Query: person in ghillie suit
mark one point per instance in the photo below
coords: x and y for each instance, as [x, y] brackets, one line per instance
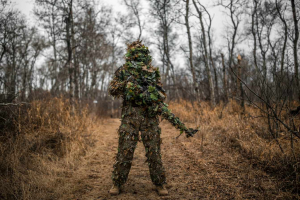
[139, 84]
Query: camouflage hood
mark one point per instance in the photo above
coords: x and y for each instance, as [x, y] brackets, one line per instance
[142, 78]
[138, 52]
[139, 84]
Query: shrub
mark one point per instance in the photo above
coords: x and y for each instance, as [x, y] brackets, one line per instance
[37, 142]
[248, 134]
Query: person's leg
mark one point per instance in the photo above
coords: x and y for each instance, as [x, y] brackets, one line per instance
[151, 140]
[128, 137]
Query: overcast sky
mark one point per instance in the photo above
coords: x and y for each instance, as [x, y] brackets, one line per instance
[219, 19]
[26, 7]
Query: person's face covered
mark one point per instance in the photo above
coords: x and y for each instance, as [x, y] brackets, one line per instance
[138, 54]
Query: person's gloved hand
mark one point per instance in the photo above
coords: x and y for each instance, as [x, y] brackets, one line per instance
[191, 132]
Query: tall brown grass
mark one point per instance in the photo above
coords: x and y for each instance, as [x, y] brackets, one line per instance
[40, 143]
[249, 135]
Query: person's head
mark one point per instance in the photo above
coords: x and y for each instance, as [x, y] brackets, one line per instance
[138, 52]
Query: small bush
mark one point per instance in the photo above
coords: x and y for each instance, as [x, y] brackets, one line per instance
[38, 141]
[249, 134]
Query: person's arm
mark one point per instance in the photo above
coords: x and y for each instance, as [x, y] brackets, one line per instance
[117, 85]
[166, 113]
[175, 121]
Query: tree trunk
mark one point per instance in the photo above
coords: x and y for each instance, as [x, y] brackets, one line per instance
[233, 42]
[224, 80]
[206, 59]
[285, 38]
[75, 61]
[69, 50]
[191, 50]
[169, 63]
[240, 92]
[216, 80]
[295, 45]
[254, 34]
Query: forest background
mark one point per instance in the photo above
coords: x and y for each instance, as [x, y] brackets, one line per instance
[219, 60]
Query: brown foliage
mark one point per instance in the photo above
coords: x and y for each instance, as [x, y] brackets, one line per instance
[249, 135]
[38, 142]
[42, 143]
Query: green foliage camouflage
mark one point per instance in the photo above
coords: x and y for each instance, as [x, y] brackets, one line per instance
[138, 83]
[133, 122]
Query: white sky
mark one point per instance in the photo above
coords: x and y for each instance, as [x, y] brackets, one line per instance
[26, 7]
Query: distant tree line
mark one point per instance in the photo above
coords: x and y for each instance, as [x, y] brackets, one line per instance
[79, 44]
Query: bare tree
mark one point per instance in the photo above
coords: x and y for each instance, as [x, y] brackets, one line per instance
[207, 57]
[296, 20]
[224, 79]
[165, 12]
[195, 84]
[235, 8]
[32, 46]
[49, 14]
[135, 8]
[4, 19]
[118, 29]
[280, 10]
[21, 45]
[68, 19]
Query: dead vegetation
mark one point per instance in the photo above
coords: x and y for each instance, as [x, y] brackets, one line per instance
[249, 135]
[40, 144]
[45, 145]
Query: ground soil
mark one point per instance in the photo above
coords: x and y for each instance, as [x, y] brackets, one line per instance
[197, 168]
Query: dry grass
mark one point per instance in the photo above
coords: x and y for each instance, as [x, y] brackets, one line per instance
[249, 135]
[40, 144]
[43, 144]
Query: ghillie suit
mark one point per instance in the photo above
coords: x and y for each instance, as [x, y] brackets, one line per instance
[138, 83]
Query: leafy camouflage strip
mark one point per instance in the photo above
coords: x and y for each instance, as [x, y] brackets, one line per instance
[116, 87]
[163, 110]
[138, 83]
[133, 121]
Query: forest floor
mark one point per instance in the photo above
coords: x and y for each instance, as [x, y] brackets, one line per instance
[195, 169]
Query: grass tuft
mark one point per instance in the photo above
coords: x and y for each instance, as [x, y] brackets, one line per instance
[40, 142]
[249, 135]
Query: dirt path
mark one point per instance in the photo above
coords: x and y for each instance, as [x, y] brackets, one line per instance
[214, 173]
